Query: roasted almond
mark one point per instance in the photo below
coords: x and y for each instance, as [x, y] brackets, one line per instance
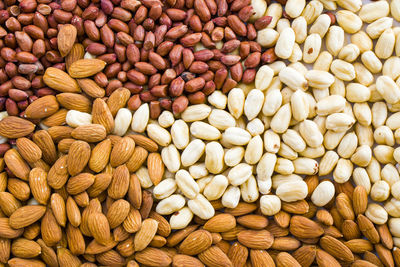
[60, 81]
[42, 107]
[220, 223]
[84, 68]
[15, 127]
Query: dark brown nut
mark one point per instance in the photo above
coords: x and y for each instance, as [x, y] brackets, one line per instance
[237, 25]
[187, 57]
[252, 60]
[198, 67]
[195, 23]
[229, 84]
[245, 13]
[191, 39]
[180, 104]
[249, 76]
[159, 91]
[230, 60]
[237, 72]
[262, 22]
[203, 55]
[176, 32]
[269, 56]
[195, 85]
[197, 98]
[137, 77]
[176, 87]
[202, 10]
[134, 102]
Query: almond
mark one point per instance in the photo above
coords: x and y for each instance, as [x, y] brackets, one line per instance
[101, 183]
[76, 242]
[297, 207]
[48, 255]
[282, 218]
[117, 212]
[28, 149]
[360, 200]
[93, 207]
[181, 260]
[220, 223]
[120, 183]
[78, 157]
[386, 236]
[58, 173]
[42, 107]
[50, 230]
[153, 257]
[363, 263]
[214, 256]
[146, 233]
[242, 208]
[385, 255]
[118, 100]
[15, 127]
[8, 203]
[77, 52]
[66, 39]
[344, 206]
[16, 164]
[135, 191]
[60, 81]
[100, 156]
[99, 227]
[256, 239]
[155, 167]
[285, 243]
[336, 248]
[96, 248]
[38, 184]
[144, 142]
[57, 204]
[196, 242]
[19, 189]
[84, 68]
[303, 227]
[284, 259]
[122, 151]
[238, 254]
[25, 248]
[26, 215]
[73, 101]
[164, 228]
[109, 258]
[359, 245]
[137, 159]
[178, 236]
[101, 114]
[4, 250]
[260, 258]
[44, 141]
[326, 260]
[368, 229]
[73, 212]
[17, 262]
[90, 133]
[6, 231]
[91, 88]
[79, 183]
[65, 258]
[58, 133]
[133, 221]
[253, 221]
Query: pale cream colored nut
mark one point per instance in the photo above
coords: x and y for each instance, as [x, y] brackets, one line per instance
[293, 78]
[384, 136]
[334, 40]
[204, 131]
[201, 207]
[300, 106]
[385, 45]
[339, 122]
[253, 103]
[323, 193]
[396, 243]
[323, 61]
[144, 178]
[234, 156]
[380, 191]
[343, 171]
[186, 184]
[282, 24]
[320, 122]
[231, 197]
[363, 75]
[264, 77]
[284, 44]
[365, 135]
[267, 37]
[274, 10]
[198, 170]
[284, 166]
[221, 119]
[376, 28]
[312, 47]
[181, 218]
[395, 9]
[249, 190]
[265, 166]
[165, 188]
[310, 133]
[393, 121]
[331, 104]
[300, 67]
[343, 70]
[264, 186]
[328, 162]
[338, 88]
[320, 93]
[279, 179]
[273, 101]
[196, 113]
[296, 55]
[349, 52]
[294, 7]
[122, 121]
[299, 26]
[362, 156]
[255, 127]
[171, 158]
[305, 166]
[393, 207]
[293, 139]
[379, 114]
[236, 100]
[140, 118]
[203, 182]
[215, 157]
[357, 93]
[281, 120]
[76, 118]
[286, 95]
[239, 174]
[193, 152]
[312, 10]
[361, 178]
[389, 174]
[351, 5]
[389, 90]
[271, 141]
[259, 7]
[374, 170]
[395, 190]
[319, 79]
[276, 67]
[397, 136]
[376, 213]
[216, 187]
[373, 11]
[396, 154]
[170, 204]
[329, 4]
[350, 22]
[348, 145]
[180, 134]
[362, 41]
[313, 152]
[391, 67]
[166, 119]
[292, 191]
[321, 25]
[394, 227]
[287, 152]
[270, 205]
[332, 139]
[218, 99]
[158, 134]
[237, 136]
[253, 153]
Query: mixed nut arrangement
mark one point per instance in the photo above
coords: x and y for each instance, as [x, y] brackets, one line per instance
[199, 133]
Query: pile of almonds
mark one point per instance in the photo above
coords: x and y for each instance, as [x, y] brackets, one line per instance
[192, 133]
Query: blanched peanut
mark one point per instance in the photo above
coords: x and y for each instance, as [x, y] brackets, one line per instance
[323, 193]
[292, 191]
[201, 207]
[270, 205]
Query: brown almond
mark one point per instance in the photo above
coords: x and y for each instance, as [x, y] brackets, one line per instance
[242, 208]
[135, 191]
[38, 184]
[385, 255]
[26, 215]
[360, 200]
[120, 183]
[101, 183]
[137, 159]
[8, 203]
[77, 52]
[66, 39]
[117, 212]
[57, 204]
[58, 173]
[297, 207]
[44, 141]
[282, 218]
[196, 242]
[73, 213]
[50, 230]
[17, 262]
[155, 167]
[256, 239]
[25, 248]
[89, 133]
[386, 236]
[284, 259]
[42, 107]
[153, 257]
[303, 227]
[19, 189]
[336, 248]
[91, 88]
[146, 233]
[100, 156]
[76, 242]
[122, 151]
[324, 217]
[101, 114]
[220, 223]
[181, 260]
[84, 68]
[286, 243]
[16, 164]
[133, 221]
[28, 149]
[144, 142]
[368, 229]
[164, 228]
[118, 100]
[6, 231]
[324, 259]
[79, 183]
[344, 206]
[15, 127]
[78, 157]
[99, 227]
[60, 81]
[75, 102]
[66, 258]
[253, 221]
[214, 256]
[260, 258]
[305, 255]
[359, 245]
[238, 254]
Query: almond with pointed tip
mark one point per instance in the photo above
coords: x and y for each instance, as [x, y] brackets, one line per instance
[26, 215]
[260, 258]
[77, 52]
[8, 203]
[91, 88]
[42, 107]
[238, 254]
[196, 242]
[78, 157]
[137, 159]
[256, 239]
[155, 167]
[122, 151]
[38, 184]
[144, 142]
[146, 233]
[15, 127]
[220, 223]
[303, 227]
[101, 114]
[66, 39]
[16, 164]
[25, 248]
[57, 204]
[118, 100]
[324, 259]
[58, 173]
[84, 68]
[43, 140]
[60, 81]
[153, 257]
[120, 183]
[28, 149]
[91, 133]
[99, 227]
[181, 260]
[117, 212]
[72, 101]
[214, 256]
[6, 231]
[100, 156]
[50, 230]
[336, 248]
